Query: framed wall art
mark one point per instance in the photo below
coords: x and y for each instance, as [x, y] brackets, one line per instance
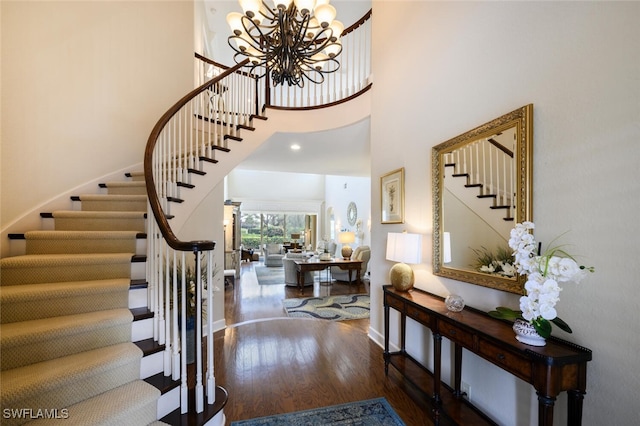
[392, 197]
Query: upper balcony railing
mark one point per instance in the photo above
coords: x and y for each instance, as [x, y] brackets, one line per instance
[352, 78]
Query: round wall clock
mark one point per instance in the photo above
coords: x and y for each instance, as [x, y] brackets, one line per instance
[352, 213]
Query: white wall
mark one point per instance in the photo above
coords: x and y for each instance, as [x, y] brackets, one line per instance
[342, 190]
[579, 64]
[83, 83]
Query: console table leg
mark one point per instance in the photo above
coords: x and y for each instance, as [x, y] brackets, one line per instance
[437, 362]
[457, 372]
[545, 410]
[575, 407]
[386, 340]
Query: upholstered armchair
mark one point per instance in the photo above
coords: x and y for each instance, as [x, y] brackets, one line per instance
[290, 273]
[361, 253]
[273, 254]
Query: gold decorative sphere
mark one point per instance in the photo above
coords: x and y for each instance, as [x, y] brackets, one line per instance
[401, 277]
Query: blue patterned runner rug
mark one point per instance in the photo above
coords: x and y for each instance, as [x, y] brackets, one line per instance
[335, 308]
[373, 412]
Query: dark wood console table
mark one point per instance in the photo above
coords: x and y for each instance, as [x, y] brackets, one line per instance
[558, 366]
[304, 265]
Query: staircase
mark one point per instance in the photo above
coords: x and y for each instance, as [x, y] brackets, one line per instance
[71, 348]
[87, 329]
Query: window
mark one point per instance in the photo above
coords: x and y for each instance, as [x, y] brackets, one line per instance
[258, 229]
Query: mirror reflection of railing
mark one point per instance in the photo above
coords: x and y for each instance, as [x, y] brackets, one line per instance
[472, 233]
[489, 166]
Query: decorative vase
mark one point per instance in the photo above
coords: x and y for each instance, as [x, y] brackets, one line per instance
[526, 333]
[454, 303]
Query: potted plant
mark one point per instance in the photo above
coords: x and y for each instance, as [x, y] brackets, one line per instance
[545, 273]
[190, 299]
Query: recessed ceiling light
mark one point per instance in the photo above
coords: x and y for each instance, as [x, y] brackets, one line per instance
[295, 147]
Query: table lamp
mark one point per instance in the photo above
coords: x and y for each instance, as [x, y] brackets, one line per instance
[346, 238]
[404, 248]
[295, 237]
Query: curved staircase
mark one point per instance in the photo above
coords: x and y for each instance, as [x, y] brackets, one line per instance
[86, 329]
[67, 322]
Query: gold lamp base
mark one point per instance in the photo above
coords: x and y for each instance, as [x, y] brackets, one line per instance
[347, 251]
[401, 277]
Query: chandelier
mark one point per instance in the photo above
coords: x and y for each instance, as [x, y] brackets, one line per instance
[292, 41]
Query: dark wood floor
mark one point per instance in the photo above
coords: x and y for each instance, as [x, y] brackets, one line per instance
[271, 364]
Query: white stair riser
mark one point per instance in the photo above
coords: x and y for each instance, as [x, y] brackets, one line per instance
[142, 329]
[138, 270]
[141, 246]
[151, 364]
[137, 298]
[17, 247]
[168, 402]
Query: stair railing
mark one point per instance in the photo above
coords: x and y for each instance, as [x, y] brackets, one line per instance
[185, 138]
[489, 166]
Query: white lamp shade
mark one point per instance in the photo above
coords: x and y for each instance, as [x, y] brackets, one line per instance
[446, 247]
[333, 49]
[234, 19]
[404, 247]
[346, 237]
[305, 6]
[325, 14]
[242, 43]
[337, 28]
[251, 8]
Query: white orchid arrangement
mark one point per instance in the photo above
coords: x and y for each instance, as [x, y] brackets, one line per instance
[545, 272]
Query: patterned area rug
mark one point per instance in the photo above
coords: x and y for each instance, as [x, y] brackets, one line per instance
[335, 308]
[367, 413]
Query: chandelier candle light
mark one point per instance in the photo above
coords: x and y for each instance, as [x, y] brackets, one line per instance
[404, 248]
[294, 40]
[545, 272]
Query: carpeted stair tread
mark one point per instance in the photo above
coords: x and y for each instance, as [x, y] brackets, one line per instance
[69, 220]
[52, 242]
[34, 269]
[34, 341]
[126, 188]
[34, 301]
[131, 404]
[62, 382]
[136, 176]
[102, 202]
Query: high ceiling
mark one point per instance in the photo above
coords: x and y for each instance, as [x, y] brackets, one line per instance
[343, 152]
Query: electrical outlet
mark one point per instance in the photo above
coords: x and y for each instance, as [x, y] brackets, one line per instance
[465, 389]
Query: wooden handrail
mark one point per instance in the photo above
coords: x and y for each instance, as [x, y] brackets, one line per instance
[360, 21]
[327, 105]
[500, 147]
[154, 201]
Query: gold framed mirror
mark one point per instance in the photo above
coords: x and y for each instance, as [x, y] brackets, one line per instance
[482, 186]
